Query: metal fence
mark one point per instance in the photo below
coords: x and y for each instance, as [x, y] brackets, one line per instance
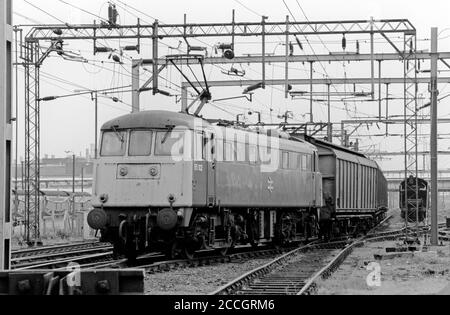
[62, 215]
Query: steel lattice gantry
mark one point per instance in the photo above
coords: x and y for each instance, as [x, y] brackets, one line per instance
[32, 142]
[238, 29]
[33, 58]
[410, 117]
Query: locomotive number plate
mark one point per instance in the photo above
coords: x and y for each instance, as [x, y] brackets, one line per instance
[139, 171]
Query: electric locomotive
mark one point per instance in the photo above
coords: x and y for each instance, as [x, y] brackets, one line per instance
[174, 183]
[416, 210]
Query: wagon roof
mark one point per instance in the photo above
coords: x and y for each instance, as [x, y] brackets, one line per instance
[153, 119]
[343, 153]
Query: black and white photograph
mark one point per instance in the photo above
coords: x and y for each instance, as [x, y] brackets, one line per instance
[224, 155]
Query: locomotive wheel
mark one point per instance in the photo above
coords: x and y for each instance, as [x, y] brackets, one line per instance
[230, 236]
[131, 254]
[173, 250]
[189, 252]
[127, 243]
[252, 232]
[283, 229]
[229, 247]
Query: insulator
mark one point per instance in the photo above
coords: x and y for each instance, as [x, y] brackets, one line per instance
[112, 14]
[299, 43]
[130, 48]
[165, 93]
[291, 49]
[59, 45]
[344, 43]
[48, 98]
[253, 88]
[102, 49]
[116, 58]
[196, 48]
[357, 47]
[226, 47]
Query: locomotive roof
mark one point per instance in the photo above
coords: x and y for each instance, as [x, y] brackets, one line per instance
[157, 119]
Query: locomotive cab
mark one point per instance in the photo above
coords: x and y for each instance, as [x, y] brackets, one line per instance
[143, 181]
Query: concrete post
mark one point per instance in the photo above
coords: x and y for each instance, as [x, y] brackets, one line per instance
[434, 134]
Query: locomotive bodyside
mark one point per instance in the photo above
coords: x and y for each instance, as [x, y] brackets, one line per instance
[288, 185]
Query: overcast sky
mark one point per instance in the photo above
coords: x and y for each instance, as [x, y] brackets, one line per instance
[67, 124]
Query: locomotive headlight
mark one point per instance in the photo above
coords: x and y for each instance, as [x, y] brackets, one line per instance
[104, 198]
[123, 171]
[171, 199]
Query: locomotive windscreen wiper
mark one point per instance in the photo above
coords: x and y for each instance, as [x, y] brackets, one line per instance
[119, 136]
[171, 128]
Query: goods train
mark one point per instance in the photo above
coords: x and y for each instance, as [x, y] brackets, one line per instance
[174, 183]
[416, 210]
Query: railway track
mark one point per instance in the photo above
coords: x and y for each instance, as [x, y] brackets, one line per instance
[95, 255]
[297, 272]
[157, 263]
[53, 257]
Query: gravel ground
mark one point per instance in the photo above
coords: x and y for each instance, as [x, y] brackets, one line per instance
[201, 280]
[415, 276]
[423, 274]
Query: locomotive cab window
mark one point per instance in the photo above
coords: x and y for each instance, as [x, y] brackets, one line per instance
[114, 143]
[294, 161]
[169, 143]
[285, 160]
[140, 143]
[253, 154]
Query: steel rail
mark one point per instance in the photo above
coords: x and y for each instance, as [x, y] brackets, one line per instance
[37, 260]
[34, 252]
[56, 264]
